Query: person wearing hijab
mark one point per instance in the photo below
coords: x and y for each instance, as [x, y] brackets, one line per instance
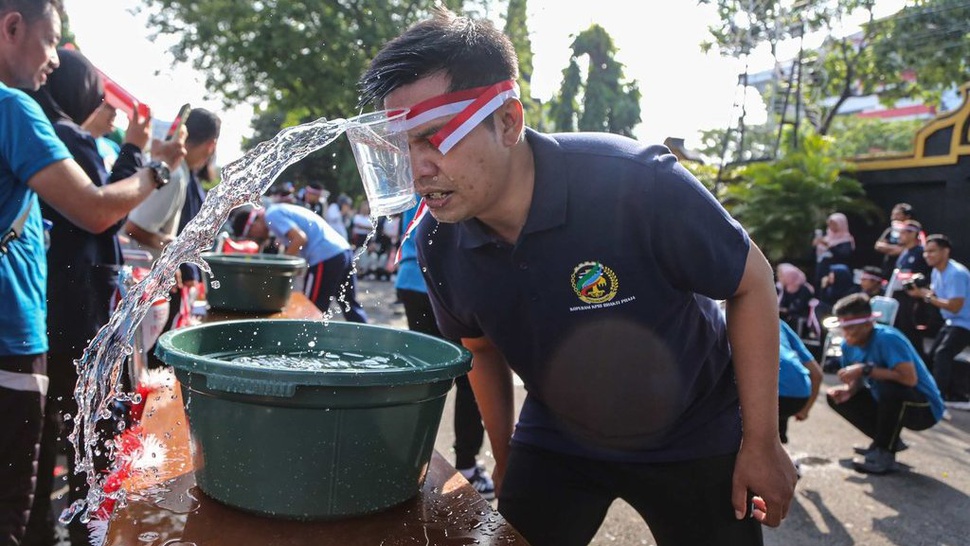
[835, 246]
[83, 266]
[795, 297]
[836, 285]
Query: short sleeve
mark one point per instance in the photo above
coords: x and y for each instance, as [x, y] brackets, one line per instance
[700, 247]
[796, 344]
[30, 143]
[278, 223]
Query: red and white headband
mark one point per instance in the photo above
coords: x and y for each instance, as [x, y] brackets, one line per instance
[872, 277]
[469, 106]
[860, 320]
[253, 214]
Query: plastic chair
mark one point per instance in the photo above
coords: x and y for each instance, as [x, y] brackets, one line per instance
[889, 307]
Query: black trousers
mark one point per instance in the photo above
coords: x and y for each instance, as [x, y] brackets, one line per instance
[334, 280]
[469, 431]
[788, 407]
[561, 500]
[22, 406]
[948, 344]
[898, 407]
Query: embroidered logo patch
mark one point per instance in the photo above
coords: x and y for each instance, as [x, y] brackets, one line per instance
[593, 282]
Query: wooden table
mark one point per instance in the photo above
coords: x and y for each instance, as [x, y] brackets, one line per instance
[167, 508]
[297, 307]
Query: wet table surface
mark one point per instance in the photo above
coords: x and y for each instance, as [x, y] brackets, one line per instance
[166, 508]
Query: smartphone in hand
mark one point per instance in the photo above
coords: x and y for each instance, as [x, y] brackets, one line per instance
[179, 122]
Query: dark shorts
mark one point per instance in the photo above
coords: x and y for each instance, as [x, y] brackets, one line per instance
[561, 500]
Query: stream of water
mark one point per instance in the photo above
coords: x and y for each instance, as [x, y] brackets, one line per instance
[102, 364]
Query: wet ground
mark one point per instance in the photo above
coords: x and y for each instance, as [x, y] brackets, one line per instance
[925, 503]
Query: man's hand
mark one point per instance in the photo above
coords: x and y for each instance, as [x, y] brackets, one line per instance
[171, 151]
[139, 130]
[840, 394]
[851, 374]
[767, 472]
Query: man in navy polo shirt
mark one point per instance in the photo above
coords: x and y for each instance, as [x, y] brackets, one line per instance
[589, 265]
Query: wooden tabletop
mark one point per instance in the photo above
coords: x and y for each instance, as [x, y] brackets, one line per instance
[166, 507]
[297, 307]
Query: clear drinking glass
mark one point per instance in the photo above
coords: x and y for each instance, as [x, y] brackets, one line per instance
[381, 150]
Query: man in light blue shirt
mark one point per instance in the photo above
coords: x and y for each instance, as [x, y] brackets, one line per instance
[886, 386]
[949, 288]
[328, 254]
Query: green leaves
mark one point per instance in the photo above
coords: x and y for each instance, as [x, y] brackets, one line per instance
[781, 202]
[603, 101]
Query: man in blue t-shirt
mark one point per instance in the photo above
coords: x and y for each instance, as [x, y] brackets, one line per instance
[799, 378]
[33, 162]
[886, 386]
[302, 233]
[948, 292]
[588, 265]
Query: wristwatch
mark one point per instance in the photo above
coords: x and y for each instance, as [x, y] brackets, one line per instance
[867, 369]
[161, 174]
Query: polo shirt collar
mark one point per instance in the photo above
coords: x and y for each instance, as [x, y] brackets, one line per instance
[549, 194]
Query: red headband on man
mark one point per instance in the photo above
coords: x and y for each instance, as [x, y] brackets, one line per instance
[859, 320]
[469, 106]
[253, 214]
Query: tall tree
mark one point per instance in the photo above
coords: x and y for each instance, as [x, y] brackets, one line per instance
[608, 102]
[301, 58]
[928, 39]
[516, 28]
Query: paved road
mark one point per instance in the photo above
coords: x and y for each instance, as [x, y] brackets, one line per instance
[926, 503]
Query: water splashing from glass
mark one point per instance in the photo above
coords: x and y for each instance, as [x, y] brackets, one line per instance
[102, 362]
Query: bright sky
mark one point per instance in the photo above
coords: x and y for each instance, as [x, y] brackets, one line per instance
[683, 90]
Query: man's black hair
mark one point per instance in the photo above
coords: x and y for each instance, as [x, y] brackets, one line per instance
[471, 52]
[202, 126]
[875, 270]
[853, 305]
[32, 10]
[941, 240]
[905, 208]
[238, 221]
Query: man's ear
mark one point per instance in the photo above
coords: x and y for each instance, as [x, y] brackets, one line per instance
[511, 121]
[10, 24]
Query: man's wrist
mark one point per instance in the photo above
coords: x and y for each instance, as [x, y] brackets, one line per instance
[928, 298]
[867, 369]
[160, 173]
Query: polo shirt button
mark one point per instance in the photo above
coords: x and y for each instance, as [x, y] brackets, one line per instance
[523, 265]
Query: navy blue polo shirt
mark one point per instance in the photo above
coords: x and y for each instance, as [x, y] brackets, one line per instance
[604, 306]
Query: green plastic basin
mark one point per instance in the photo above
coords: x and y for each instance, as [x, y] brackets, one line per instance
[311, 444]
[252, 282]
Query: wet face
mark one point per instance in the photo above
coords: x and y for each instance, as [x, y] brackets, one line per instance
[935, 255]
[259, 231]
[471, 179]
[856, 334]
[35, 48]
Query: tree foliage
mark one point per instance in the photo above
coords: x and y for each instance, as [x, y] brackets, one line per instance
[929, 39]
[867, 136]
[604, 101]
[299, 59]
[780, 202]
[517, 29]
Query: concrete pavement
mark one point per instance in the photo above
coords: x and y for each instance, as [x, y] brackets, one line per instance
[926, 503]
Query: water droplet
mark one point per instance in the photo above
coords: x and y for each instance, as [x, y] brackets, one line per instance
[215, 284]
